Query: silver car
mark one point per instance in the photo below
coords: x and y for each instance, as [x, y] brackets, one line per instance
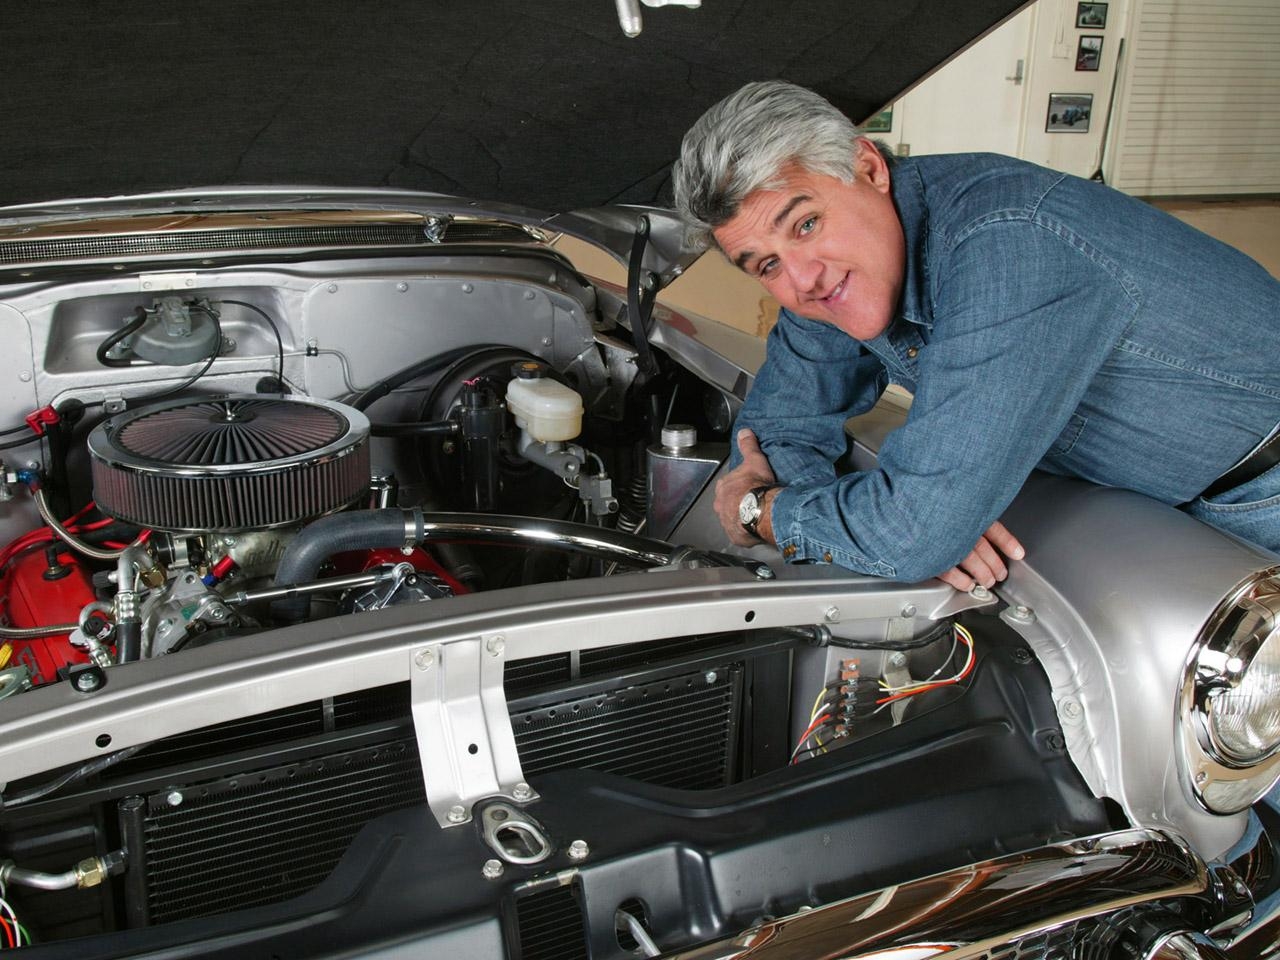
[363, 597]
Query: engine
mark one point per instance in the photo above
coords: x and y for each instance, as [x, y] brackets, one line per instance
[213, 516]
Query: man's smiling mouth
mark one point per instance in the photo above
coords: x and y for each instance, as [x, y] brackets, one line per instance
[836, 293]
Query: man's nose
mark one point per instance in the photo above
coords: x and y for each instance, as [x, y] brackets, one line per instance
[805, 272]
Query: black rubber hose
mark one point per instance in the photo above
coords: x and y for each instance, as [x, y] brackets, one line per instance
[96, 765]
[422, 368]
[129, 641]
[140, 317]
[424, 428]
[356, 530]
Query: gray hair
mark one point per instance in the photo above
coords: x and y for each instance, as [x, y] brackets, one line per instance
[743, 143]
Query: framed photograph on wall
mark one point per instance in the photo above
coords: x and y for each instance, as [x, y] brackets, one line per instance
[1089, 53]
[882, 122]
[1069, 113]
[1091, 16]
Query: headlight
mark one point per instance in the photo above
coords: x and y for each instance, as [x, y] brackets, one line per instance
[1230, 702]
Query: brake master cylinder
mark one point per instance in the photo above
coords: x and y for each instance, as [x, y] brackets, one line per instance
[545, 409]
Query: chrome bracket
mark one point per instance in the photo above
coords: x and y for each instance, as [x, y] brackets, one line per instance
[465, 740]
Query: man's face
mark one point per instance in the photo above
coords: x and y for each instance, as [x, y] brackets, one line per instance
[825, 249]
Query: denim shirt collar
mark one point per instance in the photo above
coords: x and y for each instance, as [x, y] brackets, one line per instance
[898, 347]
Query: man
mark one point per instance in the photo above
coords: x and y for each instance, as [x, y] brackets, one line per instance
[1039, 320]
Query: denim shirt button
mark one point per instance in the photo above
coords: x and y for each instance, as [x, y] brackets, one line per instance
[826, 557]
[912, 351]
[789, 550]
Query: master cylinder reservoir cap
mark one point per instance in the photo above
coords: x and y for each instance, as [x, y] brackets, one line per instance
[678, 436]
[546, 409]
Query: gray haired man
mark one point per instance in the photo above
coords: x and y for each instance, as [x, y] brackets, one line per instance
[1038, 319]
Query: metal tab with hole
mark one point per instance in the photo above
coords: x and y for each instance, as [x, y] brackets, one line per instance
[513, 835]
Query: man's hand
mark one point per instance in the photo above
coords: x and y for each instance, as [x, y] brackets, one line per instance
[754, 471]
[984, 564]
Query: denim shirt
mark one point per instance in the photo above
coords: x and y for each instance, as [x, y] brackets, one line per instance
[1045, 321]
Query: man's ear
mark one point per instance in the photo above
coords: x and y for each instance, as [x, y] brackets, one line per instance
[870, 163]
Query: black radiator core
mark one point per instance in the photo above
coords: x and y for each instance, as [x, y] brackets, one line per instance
[273, 831]
[266, 836]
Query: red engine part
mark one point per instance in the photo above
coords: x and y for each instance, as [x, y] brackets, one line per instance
[355, 561]
[34, 593]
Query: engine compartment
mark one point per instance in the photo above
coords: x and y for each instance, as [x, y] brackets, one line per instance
[510, 391]
[366, 448]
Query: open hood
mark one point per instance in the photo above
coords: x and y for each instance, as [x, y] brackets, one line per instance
[539, 102]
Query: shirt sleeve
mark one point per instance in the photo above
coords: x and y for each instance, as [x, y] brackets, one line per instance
[1024, 316]
[813, 379]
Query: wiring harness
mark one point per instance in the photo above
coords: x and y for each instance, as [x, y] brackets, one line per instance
[852, 698]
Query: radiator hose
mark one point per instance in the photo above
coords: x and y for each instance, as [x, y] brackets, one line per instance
[381, 529]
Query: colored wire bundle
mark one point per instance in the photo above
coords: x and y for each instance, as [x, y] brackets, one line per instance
[834, 705]
[12, 933]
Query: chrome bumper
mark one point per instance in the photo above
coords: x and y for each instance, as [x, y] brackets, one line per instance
[973, 911]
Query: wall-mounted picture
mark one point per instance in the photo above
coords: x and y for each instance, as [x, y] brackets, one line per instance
[882, 122]
[1089, 53]
[1069, 113]
[1091, 15]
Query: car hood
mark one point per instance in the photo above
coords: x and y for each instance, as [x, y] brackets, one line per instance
[541, 103]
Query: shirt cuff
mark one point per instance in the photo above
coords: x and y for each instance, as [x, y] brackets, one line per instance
[802, 536]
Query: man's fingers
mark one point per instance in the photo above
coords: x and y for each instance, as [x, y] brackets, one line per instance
[987, 566]
[753, 457]
[1004, 541]
[957, 578]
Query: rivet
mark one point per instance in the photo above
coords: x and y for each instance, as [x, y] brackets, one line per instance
[25, 376]
[424, 659]
[578, 850]
[528, 294]
[495, 645]
[174, 799]
[546, 342]
[467, 288]
[332, 288]
[908, 611]
[710, 676]
[402, 286]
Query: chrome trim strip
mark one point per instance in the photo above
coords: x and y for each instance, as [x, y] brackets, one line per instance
[965, 912]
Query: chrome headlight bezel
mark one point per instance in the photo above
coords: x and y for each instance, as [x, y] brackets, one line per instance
[1221, 777]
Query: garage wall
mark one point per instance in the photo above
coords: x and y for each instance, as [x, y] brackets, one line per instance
[1198, 92]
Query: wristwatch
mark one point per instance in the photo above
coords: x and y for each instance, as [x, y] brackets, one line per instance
[751, 508]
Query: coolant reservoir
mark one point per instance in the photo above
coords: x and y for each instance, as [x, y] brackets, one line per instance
[547, 409]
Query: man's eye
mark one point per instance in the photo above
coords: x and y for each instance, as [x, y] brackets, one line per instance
[767, 267]
[807, 225]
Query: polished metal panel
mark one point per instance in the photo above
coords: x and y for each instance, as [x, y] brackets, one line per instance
[1112, 619]
[145, 701]
[1185, 945]
[963, 913]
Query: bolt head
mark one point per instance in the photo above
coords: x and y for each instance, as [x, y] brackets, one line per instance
[546, 341]
[495, 645]
[908, 611]
[87, 682]
[467, 288]
[578, 850]
[457, 813]
[522, 791]
[174, 799]
[898, 659]
[424, 659]
[332, 288]
[710, 676]
[492, 869]
[402, 286]
[832, 614]
[979, 592]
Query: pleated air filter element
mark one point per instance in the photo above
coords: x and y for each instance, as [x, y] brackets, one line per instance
[230, 463]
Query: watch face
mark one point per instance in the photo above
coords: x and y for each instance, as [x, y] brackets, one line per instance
[748, 508]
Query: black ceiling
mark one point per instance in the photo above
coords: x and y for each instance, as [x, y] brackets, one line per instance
[541, 102]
